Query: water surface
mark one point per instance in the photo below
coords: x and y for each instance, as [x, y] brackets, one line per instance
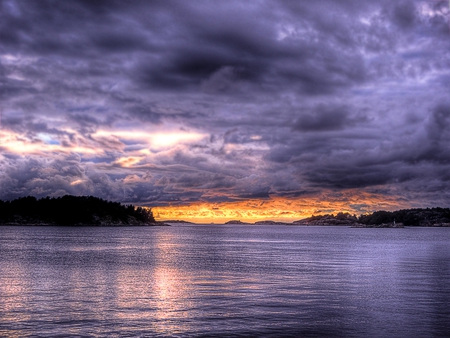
[224, 280]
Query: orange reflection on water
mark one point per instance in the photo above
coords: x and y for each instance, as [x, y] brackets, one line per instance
[159, 295]
[14, 298]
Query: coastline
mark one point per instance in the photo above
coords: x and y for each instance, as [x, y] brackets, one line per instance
[322, 224]
[104, 225]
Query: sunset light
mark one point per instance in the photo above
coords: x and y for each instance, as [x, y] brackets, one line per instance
[278, 209]
[272, 115]
[225, 168]
[157, 140]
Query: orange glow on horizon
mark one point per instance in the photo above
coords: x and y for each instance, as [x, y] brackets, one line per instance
[280, 209]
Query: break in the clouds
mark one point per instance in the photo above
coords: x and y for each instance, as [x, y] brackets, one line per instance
[209, 102]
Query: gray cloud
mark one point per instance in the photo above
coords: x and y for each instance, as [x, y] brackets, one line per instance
[294, 98]
[323, 118]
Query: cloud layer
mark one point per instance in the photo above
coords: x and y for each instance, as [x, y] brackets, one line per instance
[178, 103]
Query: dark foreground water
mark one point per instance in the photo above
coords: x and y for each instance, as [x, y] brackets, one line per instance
[224, 281]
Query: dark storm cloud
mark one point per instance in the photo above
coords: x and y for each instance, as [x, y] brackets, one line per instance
[323, 118]
[333, 159]
[196, 46]
[404, 14]
[439, 122]
[339, 163]
[290, 98]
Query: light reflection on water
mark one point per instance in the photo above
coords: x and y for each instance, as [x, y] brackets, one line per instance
[224, 280]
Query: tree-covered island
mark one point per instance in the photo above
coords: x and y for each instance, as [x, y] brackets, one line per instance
[73, 211]
[435, 217]
[429, 217]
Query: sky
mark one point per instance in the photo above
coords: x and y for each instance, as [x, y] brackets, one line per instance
[217, 110]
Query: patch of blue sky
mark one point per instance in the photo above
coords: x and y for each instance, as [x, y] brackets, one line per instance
[48, 139]
[136, 146]
[131, 143]
[79, 109]
[101, 159]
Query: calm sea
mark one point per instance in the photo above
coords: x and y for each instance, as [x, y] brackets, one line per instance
[224, 280]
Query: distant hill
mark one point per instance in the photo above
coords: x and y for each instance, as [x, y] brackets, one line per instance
[270, 223]
[178, 221]
[72, 210]
[237, 222]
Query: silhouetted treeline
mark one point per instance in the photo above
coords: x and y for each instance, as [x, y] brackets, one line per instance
[406, 217]
[409, 217]
[330, 219]
[72, 210]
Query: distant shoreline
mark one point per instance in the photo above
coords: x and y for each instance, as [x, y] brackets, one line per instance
[164, 224]
[430, 217]
[92, 211]
[105, 225]
[357, 225]
[86, 225]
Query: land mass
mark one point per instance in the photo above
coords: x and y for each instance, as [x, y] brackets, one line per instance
[257, 223]
[178, 221]
[237, 222]
[430, 217]
[89, 210]
[73, 211]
